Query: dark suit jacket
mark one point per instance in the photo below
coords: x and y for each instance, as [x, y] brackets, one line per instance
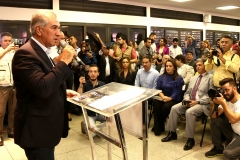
[130, 78]
[102, 68]
[193, 64]
[41, 114]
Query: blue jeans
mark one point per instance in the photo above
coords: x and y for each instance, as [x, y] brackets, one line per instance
[93, 120]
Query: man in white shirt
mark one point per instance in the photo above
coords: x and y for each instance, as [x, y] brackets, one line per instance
[175, 49]
[227, 122]
[7, 92]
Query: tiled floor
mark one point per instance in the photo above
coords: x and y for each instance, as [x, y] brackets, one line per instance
[76, 146]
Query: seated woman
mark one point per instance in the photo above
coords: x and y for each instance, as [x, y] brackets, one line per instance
[125, 74]
[170, 83]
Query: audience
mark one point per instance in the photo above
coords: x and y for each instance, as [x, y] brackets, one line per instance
[190, 60]
[7, 91]
[106, 66]
[170, 83]
[225, 63]
[162, 49]
[175, 49]
[146, 76]
[87, 85]
[125, 75]
[123, 50]
[225, 121]
[195, 102]
[146, 50]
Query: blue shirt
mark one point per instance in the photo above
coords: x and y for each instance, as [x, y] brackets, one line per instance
[171, 88]
[147, 79]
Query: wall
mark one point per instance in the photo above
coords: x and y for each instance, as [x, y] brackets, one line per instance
[23, 14]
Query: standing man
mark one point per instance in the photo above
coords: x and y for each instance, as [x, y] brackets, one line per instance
[41, 114]
[123, 50]
[224, 63]
[146, 50]
[175, 49]
[106, 66]
[190, 45]
[153, 38]
[7, 91]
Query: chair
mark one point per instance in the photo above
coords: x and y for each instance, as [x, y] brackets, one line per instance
[204, 118]
[204, 121]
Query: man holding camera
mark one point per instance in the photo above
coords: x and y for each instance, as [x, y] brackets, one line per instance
[227, 122]
[195, 103]
[7, 92]
[223, 61]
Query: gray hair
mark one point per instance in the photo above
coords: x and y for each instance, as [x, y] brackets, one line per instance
[200, 60]
[40, 18]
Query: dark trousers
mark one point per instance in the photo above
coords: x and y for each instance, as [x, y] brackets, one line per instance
[39, 153]
[161, 111]
[218, 127]
[232, 151]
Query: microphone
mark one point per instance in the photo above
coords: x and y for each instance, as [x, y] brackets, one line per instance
[63, 44]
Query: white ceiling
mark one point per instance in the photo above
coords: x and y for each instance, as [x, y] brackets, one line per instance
[205, 6]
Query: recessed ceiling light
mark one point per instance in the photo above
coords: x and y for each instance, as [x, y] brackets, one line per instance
[227, 7]
[180, 0]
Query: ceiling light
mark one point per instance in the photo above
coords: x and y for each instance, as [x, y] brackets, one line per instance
[227, 7]
[180, 0]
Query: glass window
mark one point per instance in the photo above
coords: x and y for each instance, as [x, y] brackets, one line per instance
[76, 31]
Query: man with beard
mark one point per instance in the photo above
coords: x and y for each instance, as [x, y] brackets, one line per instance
[86, 86]
[123, 50]
[227, 122]
[153, 38]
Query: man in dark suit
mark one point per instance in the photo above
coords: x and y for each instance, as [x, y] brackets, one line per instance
[41, 114]
[106, 66]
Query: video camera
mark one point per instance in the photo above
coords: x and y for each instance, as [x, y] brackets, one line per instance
[212, 93]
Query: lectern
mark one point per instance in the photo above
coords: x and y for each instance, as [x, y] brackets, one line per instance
[110, 100]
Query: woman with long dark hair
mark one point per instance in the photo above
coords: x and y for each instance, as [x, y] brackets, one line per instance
[162, 48]
[125, 75]
[170, 83]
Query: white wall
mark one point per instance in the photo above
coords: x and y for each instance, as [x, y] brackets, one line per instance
[24, 14]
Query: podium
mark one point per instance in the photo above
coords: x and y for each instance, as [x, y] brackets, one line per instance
[110, 101]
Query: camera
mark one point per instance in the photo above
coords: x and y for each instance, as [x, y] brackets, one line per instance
[215, 52]
[212, 93]
[87, 48]
[186, 103]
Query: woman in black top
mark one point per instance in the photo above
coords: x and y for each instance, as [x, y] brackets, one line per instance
[125, 74]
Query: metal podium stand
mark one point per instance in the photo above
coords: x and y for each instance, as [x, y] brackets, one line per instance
[109, 100]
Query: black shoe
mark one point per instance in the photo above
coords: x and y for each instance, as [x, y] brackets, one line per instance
[190, 143]
[214, 152]
[170, 136]
[152, 129]
[77, 112]
[1, 141]
[69, 119]
[11, 135]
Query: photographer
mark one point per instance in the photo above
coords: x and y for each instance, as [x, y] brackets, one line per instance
[88, 57]
[223, 62]
[7, 92]
[227, 122]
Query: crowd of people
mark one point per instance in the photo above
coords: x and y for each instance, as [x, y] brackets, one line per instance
[34, 79]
